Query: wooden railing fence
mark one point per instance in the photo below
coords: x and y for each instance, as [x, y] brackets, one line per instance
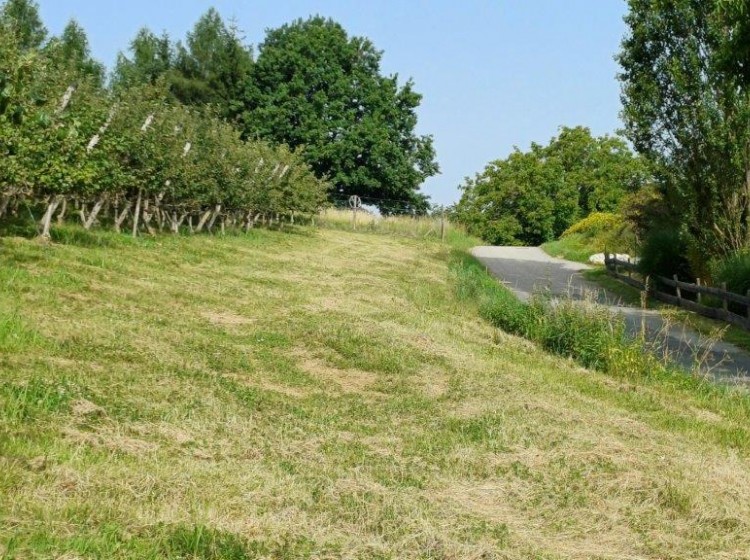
[627, 272]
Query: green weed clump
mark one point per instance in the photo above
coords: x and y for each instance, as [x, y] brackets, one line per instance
[587, 333]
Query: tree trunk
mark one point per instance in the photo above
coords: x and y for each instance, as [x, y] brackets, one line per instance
[4, 202]
[61, 213]
[120, 218]
[137, 212]
[147, 215]
[82, 214]
[177, 222]
[204, 218]
[94, 213]
[47, 218]
[215, 215]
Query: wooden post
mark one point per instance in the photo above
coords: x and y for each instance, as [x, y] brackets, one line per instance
[698, 295]
[354, 218]
[630, 269]
[442, 226]
[679, 291]
[724, 300]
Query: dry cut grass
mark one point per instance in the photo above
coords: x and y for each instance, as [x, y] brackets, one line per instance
[326, 395]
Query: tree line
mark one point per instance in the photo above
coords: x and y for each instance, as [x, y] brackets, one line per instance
[197, 134]
[312, 87]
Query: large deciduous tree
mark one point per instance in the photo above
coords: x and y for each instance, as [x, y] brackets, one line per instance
[534, 196]
[686, 108]
[315, 87]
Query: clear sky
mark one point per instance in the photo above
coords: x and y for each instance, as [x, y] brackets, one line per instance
[494, 73]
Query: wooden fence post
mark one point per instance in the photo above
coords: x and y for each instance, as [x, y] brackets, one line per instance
[677, 287]
[698, 295]
[724, 300]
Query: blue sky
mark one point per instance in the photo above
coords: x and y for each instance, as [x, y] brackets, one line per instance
[494, 74]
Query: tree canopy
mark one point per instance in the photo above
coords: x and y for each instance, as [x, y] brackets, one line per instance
[532, 197]
[72, 49]
[211, 67]
[315, 87]
[21, 19]
[686, 108]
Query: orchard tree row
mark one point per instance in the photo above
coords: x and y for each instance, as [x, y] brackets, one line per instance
[71, 148]
[68, 147]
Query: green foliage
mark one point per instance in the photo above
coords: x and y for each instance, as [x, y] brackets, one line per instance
[66, 140]
[663, 254]
[532, 197]
[316, 88]
[596, 224]
[211, 67]
[20, 19]
[603, 169]
[687, 112]
[734, 270]
[587, 333]
[72, 49]
[150, 59]
[596, 233]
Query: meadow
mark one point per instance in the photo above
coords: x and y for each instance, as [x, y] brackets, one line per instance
[320, 393]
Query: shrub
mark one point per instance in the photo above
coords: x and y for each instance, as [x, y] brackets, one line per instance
[735, 271]
[664, 254]
[596, 223]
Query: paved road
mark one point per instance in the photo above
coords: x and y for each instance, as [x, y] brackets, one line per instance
[529, 270]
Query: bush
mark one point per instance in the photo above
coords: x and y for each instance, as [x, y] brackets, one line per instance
[735, 271]
[664, 254]
[596, 223]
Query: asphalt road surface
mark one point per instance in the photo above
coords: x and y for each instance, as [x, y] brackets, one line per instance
[529, 270]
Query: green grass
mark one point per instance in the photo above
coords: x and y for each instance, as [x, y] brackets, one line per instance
[573, 247]
[328, 394]
[627, 294]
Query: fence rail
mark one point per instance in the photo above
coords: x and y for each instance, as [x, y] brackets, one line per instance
[723, 313]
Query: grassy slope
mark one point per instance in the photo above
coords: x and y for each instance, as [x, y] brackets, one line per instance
[573, 247]
[327, 395]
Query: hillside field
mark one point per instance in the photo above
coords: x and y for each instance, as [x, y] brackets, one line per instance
[328, 394]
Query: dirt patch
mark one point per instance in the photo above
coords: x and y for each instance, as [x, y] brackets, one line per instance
[348, 380]
[86, 409]
[434, 383]
[226, 318]
[111, 440]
